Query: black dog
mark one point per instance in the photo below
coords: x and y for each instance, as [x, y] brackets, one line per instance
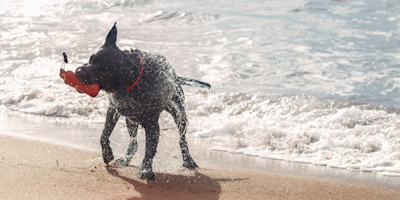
[140, 86]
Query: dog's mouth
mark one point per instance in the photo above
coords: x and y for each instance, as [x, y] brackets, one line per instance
[86, 81]
[88, 75]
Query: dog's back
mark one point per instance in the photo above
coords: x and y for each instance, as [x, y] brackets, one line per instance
[158, 64]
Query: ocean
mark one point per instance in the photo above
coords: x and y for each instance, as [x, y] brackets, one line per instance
[310, 81]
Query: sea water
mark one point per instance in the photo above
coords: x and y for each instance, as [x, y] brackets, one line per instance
[311, 81]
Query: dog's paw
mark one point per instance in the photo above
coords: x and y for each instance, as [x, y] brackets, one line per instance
[189, 163]
[123, 161]
[108, 158]
[147, 175]
[107, 155]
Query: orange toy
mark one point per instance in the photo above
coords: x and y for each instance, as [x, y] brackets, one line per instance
[71, 80]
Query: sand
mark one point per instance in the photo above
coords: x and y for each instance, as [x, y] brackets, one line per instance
[41, 170]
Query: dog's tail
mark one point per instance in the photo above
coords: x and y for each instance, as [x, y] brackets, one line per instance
[192, 82]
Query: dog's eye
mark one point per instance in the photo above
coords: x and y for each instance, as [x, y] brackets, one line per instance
[91, 59]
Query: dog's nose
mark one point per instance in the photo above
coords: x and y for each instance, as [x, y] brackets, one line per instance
[80, 74]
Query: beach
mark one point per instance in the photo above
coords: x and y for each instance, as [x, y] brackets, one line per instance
[34, 169]
[304, 100]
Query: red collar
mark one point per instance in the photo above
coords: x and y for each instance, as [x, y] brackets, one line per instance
[140, 75]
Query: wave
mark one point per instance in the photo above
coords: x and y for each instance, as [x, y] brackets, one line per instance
[180, 17]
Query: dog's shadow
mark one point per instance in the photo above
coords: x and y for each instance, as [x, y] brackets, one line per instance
[168, 186]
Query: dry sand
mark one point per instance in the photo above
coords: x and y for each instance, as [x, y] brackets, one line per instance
[40, 170]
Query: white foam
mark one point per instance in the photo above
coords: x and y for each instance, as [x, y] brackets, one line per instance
[301, 129]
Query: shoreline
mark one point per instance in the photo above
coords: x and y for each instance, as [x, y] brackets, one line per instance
[168, 158]
[40, 170]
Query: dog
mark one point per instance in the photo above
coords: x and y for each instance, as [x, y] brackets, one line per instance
[140, 86]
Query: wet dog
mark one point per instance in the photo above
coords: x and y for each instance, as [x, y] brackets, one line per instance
[140, 86]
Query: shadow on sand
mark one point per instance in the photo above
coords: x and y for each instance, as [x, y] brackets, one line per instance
[168, 186]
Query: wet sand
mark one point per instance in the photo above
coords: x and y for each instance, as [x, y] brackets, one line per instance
[34, 169]
[40, 170]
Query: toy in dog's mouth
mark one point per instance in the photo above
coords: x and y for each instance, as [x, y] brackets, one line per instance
[71, 80]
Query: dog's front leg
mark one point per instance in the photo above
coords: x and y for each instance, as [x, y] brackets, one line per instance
[132, 126]
[152, 137]
[111, 120]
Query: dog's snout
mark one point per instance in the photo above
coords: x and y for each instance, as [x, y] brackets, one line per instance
[81, 74]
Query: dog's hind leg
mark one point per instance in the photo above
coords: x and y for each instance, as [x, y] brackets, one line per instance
[177, 110]
[111, 120]
[132, 126]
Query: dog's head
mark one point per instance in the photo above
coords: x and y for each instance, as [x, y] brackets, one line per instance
[109, 67]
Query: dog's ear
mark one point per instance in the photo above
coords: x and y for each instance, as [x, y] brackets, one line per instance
[112, 36]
